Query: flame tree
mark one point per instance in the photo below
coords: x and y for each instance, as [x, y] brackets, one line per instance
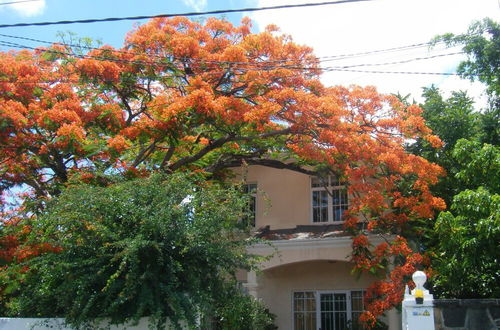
[181, 96]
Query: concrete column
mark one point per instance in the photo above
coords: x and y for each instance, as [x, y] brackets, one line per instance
[394, 319]
[418, 312]
[251, 284]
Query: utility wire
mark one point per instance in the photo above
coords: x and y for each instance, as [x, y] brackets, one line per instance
[264, 68]
[336, 70]
[402, 61]
[14, 2]
[396, 72]
[376, 51]
[212, 12]
[321, 58]
[242, 63]
[258, 65]
[98, 58]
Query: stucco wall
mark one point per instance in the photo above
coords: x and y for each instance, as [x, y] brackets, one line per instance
[297, 250]
[284, 201]
[58, 324]
[285, 198]
[276, 285]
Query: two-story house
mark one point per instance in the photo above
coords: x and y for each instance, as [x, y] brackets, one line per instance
[307, 283]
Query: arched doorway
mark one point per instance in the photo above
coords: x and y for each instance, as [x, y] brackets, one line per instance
[313, 295]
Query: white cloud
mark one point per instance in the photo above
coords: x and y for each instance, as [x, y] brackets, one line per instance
[362, 26]
[197, 5]
[26, 9]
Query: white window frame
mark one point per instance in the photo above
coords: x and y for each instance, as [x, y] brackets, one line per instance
[329, 188]
[317, 295]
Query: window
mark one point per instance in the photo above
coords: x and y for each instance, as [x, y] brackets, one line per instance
[304, 310]
[251, 190]
[327, 310]
[329, 199]
[357, 307]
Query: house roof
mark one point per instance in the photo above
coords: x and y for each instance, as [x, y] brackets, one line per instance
[302, 232]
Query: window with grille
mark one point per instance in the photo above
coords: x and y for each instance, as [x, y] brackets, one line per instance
[304, 310]
[327, 310]
[329, 199]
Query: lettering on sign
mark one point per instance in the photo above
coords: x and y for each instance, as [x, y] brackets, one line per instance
[419, 313]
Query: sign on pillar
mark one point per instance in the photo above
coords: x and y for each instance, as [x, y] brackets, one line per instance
[418, 312]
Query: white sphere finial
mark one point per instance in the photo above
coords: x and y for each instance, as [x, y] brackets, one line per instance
[419, 278]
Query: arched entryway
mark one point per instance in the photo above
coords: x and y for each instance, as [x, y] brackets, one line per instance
[312, 295]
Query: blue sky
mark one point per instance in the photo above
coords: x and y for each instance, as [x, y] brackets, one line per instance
[330, 30]
[111, 33]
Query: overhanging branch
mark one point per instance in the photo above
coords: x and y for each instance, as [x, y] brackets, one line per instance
[239, 160]
[215, 144]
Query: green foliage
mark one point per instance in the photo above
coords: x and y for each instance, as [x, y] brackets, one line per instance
[164, 248]
[80, 45]
[482, 45]
[467, 237]
[237, 310]
[468, 259]
[489, 126]
[464, 240]
[466, 247]
[451, 119]
[479, 165]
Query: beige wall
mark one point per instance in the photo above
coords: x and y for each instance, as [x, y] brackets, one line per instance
[59, 323]
[300, 265]
[276, 285]
[284, 201]
[285, 198]
[292, 251]
[306, 264]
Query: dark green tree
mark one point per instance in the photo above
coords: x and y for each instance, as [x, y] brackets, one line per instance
[464, 239]
[481, 43]
[163, 248]
[451, 119]
[467, 255]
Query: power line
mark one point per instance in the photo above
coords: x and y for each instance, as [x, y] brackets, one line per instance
[14, 2]
[261, 65]
[396, 72]
[327, 58]
[81, 56]
[376, 51]
[246, 63]
[402, 61]
[267, 68]
[341, 70]
[212, 12]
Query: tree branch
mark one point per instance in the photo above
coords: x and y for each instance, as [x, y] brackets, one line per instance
[239, 160]
[144, 153]
[220, 142]
[168, 155]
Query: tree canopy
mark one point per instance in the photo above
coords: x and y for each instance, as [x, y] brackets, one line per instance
[163, 248]
[467, 255]
[182, 96]
[451, 118]
[463, 240]
[482, 46]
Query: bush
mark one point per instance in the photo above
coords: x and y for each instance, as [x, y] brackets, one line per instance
[163, 248]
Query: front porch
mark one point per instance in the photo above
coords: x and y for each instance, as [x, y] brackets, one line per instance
[308, 284]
